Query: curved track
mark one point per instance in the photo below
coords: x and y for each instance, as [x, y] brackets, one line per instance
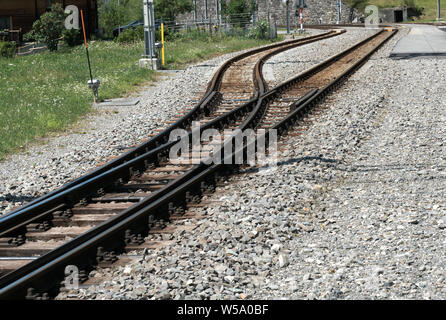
[280, 109]
[38, 232]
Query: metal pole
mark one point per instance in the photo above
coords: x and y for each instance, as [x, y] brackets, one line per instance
[339, 11]
[162, 43]
[269, 24]
[288, 27]
[195, 10]
[146, 28]
[86, 46]
[301, 16]
[439, 10]
[206, 10]
[217, 11]
[149, 29]
[210, 27]
[254, 13]
[152, 29]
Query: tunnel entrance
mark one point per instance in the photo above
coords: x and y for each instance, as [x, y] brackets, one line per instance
[398, 15]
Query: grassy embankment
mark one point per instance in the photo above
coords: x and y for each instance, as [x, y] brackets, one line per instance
[48, 92]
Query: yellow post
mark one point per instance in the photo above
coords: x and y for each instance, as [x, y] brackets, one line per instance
[162, 43]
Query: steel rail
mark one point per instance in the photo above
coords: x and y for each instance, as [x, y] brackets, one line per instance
[202, 107]
[100, 178]
[82, 250]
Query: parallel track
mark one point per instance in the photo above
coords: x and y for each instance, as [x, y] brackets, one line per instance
[278, 108]
[204, 108]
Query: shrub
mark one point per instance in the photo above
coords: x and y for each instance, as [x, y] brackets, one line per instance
[111, 15]
[260, 31]
[48, 29]
[238, 11]
[413, 10]
[72, 37]
[7, 49]
[131, 35]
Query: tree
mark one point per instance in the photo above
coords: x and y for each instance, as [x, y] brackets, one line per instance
[168, 10]
[48, 29]
[114, 13]
[358, 5]
[238, 11]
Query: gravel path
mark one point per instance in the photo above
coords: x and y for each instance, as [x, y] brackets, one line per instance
[355, 210]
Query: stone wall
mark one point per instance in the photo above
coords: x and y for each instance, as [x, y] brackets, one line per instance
[318, 11]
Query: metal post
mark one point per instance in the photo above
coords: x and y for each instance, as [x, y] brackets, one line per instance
[162, 43]
[206, 10]
[288, 27]
[217, 12]
[301, 16]
[195, 10]
[152, 29]
[146, 28]
[339, 11]
[210, 27]
[254, 13]
[439, 10]
[269, 24]
[149, 35]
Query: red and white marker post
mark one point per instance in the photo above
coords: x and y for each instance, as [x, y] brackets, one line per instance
[301, 15]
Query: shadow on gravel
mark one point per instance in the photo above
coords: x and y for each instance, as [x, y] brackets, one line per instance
[290, 161]
[14, 199]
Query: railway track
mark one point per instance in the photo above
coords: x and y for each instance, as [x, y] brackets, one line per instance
[204, 108]
[142, 194]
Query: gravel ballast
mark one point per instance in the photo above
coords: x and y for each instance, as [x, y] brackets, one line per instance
[355, 209]
[107, 132]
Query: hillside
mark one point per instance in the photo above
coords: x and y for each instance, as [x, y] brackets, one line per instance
[430, 6]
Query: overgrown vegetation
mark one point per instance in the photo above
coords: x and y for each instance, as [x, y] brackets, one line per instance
[48, 29]
[420, 10]
[48, 91]
[112, 15]
[131, 35]
[184, 51]
[260, 31]
[239, 12]
[7, 49]
[168, 10]
[72, 37]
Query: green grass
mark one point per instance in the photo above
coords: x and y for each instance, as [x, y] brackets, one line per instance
[430, 7]
[182, 52]
[48, 92]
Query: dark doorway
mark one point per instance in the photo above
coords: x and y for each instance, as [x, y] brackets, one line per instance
[5, 23]
[398, 15]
